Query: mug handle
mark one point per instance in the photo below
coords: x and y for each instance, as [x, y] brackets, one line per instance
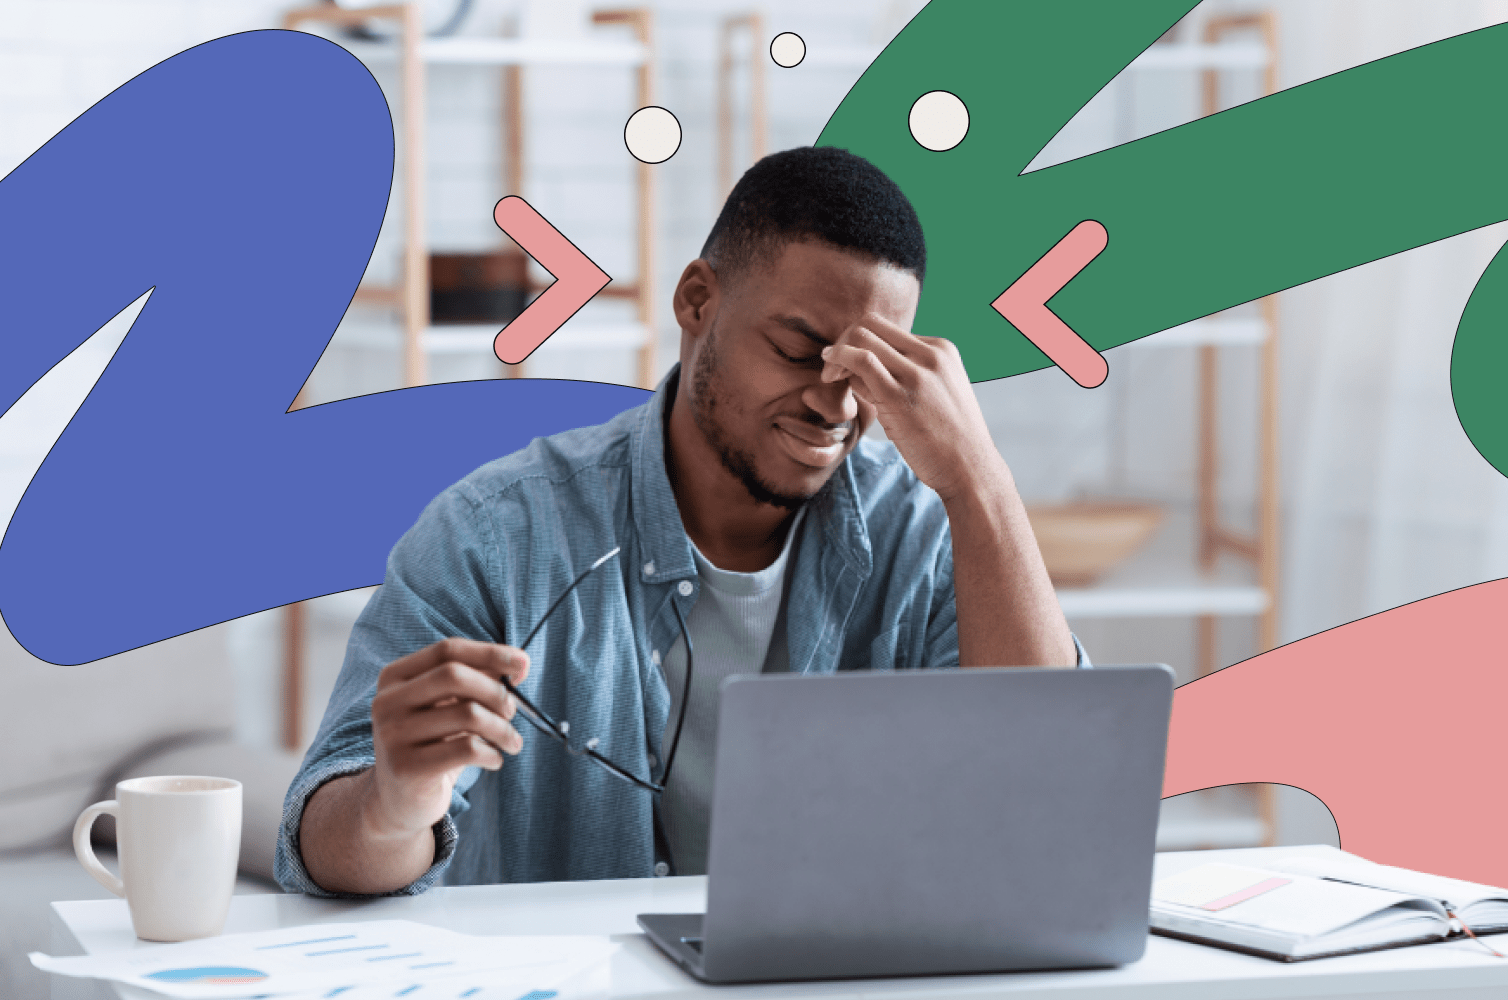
[85, 850]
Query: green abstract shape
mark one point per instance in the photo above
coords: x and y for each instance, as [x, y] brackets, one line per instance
[1316, 179]
[1478, 362]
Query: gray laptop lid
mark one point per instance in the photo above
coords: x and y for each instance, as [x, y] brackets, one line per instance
[876, 824]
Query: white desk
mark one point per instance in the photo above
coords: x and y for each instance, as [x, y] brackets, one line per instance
[1171, 970]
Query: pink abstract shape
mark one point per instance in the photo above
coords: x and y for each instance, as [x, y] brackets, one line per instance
[1024, 304]
[1394, 721]
[577, 279]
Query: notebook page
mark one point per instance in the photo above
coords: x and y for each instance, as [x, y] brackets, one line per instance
[1455, 893]
[1301, 907]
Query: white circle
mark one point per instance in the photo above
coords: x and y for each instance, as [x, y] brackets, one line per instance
[939, 120]
[787, 49]
[652, 134]
[686, 588]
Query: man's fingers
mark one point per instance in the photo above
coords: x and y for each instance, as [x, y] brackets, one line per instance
[900, 370]
[437, 724]
[897, 338]
[490, 658]
[449, 681]
[865, 337]
[469, 750]
[875, 383]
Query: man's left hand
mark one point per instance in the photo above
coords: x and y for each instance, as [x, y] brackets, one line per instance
[923, 400]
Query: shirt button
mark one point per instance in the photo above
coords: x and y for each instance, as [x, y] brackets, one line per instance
[654, 657]
[654, 762]
[649, 568]
[661, 869]
[686, 588]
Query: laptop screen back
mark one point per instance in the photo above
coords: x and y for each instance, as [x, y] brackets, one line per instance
[939, 821]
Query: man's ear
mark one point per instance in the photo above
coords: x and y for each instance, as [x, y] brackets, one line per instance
[696, 298]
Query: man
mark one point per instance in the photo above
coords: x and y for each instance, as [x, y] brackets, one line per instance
[750, 517]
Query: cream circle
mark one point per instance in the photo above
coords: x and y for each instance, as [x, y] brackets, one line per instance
[788, 49]
[652, 134]
[939, 120]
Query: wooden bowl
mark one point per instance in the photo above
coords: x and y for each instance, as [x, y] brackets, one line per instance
[1083, 540]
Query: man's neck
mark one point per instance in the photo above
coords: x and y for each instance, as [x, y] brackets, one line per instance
[732, 529]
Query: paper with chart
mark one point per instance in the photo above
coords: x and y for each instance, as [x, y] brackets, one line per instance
[454, 988]
[353, 961]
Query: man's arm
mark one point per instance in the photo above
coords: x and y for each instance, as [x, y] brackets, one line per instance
[1008, 614]
[436, 712]
[389, 767]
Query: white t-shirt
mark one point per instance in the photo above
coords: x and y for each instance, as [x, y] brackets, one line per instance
[732, 628]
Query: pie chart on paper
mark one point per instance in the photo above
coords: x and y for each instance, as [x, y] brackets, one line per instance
[209, 974]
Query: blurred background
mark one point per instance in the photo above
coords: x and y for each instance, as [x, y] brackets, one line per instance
[1248, 480]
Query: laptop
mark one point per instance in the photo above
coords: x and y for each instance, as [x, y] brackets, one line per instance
[928, 822]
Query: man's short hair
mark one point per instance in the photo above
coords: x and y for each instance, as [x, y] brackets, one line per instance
[819, 192]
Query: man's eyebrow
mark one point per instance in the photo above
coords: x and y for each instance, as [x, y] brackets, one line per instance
[798, 325]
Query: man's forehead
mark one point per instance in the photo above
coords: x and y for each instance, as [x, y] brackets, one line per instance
[802, 295]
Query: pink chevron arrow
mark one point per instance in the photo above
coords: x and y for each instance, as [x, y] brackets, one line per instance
[1024, 304]
[577, 279]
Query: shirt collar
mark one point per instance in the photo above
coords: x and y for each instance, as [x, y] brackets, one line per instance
[835, 512]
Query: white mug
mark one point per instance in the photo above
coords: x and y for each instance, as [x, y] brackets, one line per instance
[179, 840]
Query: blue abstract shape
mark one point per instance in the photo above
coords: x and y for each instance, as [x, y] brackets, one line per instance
[244, 180]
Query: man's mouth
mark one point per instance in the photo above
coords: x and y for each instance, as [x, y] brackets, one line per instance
[811, 445]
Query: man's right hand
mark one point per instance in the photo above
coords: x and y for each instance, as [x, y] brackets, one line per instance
[436, 712]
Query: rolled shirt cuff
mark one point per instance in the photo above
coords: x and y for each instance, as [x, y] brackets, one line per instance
[289, 867]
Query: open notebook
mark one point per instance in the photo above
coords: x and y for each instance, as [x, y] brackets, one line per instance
[1299, 908]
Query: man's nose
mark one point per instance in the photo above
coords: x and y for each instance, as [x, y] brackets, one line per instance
[834, 401]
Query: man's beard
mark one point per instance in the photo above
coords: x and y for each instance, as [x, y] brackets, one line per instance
[738, 462]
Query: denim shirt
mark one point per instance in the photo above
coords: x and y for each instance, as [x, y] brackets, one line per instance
[871, 588]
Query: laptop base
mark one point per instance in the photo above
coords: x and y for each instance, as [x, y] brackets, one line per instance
[678, 935]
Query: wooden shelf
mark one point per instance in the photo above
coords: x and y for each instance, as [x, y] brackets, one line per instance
[1162, 602]
[1218, 56]
[510, 51]
[1212, 832]
[1212, 818]
[1214, 331]
[1163, 580]
[413, 53]
[840, 56]
[474, 339]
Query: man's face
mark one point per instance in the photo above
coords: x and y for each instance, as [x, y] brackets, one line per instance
[755, 376]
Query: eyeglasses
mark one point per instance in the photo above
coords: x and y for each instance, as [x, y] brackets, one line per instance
[560, 731]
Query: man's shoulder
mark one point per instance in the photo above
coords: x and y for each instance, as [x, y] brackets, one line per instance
[555, 460]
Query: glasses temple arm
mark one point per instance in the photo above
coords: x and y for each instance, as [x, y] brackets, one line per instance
[540, 624]
[566, 593]
[620, 773]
